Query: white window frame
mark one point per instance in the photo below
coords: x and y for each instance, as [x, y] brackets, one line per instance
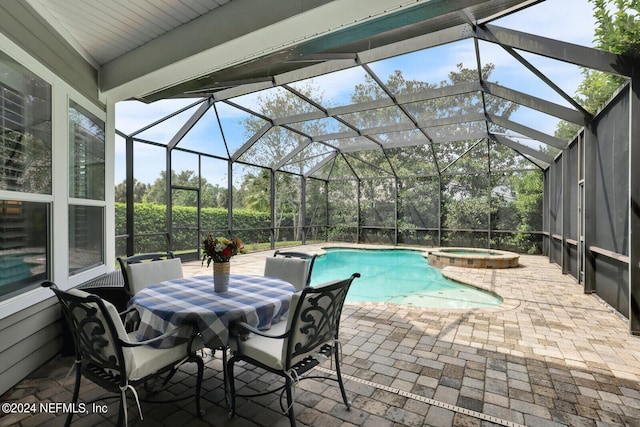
[72, 201]
[61, 94]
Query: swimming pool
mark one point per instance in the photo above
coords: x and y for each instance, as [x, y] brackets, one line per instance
[397, 276]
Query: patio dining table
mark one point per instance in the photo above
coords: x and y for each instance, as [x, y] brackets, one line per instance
[192, 301]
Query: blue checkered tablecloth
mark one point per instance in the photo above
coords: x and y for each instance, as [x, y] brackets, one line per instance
[192, 301]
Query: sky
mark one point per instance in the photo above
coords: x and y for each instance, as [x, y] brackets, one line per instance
[566, 20]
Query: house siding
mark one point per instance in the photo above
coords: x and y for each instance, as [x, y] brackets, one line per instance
[32, 336]
[28, 339]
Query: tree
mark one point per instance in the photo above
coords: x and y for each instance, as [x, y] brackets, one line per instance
[529, 207]
[279, 141]
[140, 190]
[257, 195]
[465, 195]
[618, 28]
[412, 161]
[566, 130]
[210, 195]
[26, 164]
[213, 196]
[617, 31]
[316, 209]
[596, 89]
[273, 146]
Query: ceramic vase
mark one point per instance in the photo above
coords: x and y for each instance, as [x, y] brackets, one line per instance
[221, 272]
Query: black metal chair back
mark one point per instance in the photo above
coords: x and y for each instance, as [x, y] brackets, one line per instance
[94, 334]
[311, 330]
[315, 320]
[104, 353]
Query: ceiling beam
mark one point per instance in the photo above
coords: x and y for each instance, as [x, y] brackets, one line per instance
[439, 92]
[563, 51]
[549, 83]
[452, 120]
[298, 118]
[370, 164]
[245, 89]
[424, 95]
[535, 103]
[167, 117]
[523, 149]
[214, 88]
[458, 138]
[360, 106]
[239, 152]
[467, 151]
[321, 163]
[190, 123]
[291, 154]
[527, 131]
[336, 135]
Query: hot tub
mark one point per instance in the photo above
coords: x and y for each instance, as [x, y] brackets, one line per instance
[472, 258]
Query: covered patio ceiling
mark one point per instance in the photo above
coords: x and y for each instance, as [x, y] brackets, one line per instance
[429, 112]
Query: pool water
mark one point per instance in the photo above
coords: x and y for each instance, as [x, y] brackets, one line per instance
[16, 267]
[397, 276]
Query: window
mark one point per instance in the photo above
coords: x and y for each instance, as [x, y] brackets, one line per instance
[86, 238]
[86, 151]
[25, 129]
[24, 245]
[86, 189]
[25, 167]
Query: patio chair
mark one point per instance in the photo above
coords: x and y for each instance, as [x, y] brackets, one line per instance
[294, 267]
[111, 358]
[291, 349]
[140, 271]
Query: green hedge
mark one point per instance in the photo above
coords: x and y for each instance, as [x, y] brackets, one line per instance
[251, 226]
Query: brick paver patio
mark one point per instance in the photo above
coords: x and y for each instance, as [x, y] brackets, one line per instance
[548, 356]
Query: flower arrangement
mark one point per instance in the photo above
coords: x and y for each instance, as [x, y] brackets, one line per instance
[220, 249]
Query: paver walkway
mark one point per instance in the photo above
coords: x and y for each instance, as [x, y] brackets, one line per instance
[549, 356]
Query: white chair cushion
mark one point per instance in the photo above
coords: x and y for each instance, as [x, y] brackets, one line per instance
[146, 360]
[266, 350]
[270, 351]
[143, 274]
[292, 270]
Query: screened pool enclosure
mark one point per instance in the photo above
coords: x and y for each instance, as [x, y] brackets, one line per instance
[390, 161]
[411, 129]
